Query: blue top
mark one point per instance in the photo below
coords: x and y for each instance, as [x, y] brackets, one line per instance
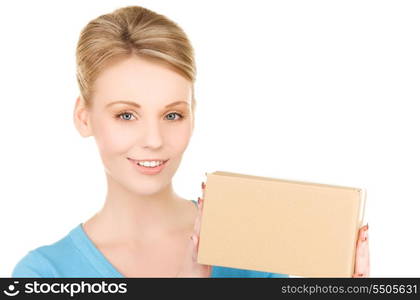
[75, 255]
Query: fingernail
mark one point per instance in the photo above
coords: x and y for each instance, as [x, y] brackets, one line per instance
[367, 225]
[199, 201]
[203, 186]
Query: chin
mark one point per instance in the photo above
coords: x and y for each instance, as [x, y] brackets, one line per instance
[146, 187]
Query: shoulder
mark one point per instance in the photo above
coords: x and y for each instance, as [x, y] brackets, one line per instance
[219, 271]
[45, 261]
[32, 265]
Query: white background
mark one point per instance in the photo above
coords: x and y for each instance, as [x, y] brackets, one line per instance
[319, 91]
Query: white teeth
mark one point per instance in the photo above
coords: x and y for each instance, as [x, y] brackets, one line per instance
[150, 164]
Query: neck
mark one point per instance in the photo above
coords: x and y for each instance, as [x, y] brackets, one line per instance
[129, 217]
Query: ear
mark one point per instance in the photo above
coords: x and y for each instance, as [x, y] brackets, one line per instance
[81, 118]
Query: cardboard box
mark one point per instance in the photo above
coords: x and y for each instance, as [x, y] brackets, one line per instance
[280, 226]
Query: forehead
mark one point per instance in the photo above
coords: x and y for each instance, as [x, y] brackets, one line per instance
[142, 81]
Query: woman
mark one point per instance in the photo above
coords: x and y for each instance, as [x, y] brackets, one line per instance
[136, 74]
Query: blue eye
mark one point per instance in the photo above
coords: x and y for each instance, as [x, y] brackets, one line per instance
[125, 116]
[180, 116]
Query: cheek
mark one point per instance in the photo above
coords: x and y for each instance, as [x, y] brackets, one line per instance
[179, 140]
[111, 139]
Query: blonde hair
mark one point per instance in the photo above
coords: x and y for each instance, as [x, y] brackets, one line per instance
[132, 30]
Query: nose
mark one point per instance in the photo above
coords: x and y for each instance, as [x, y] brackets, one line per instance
[152, 134]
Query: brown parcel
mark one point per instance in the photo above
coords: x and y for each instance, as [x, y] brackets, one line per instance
[280, 226]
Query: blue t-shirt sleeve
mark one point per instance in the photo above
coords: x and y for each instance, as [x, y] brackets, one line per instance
[33, 264]
[224, 272]
[277, 275]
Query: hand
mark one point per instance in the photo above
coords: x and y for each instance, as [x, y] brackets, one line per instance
[190, 267]
[362, 266]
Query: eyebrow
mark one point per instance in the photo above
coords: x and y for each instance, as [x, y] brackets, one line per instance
[135, 104]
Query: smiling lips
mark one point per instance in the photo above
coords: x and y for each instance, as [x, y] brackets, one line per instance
[148, 161]
[150, 166]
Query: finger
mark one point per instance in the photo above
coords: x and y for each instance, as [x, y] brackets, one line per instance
[199, 217]
[362, 245]
[200, 203]
[197, 223]
[199, 230]
[363, 233]
[200, 207]
[362, 258]
[194, 248]
[362, 254]
[200, 211]
[203, 189]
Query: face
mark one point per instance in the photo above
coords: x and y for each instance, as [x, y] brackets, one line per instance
[151, 127]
